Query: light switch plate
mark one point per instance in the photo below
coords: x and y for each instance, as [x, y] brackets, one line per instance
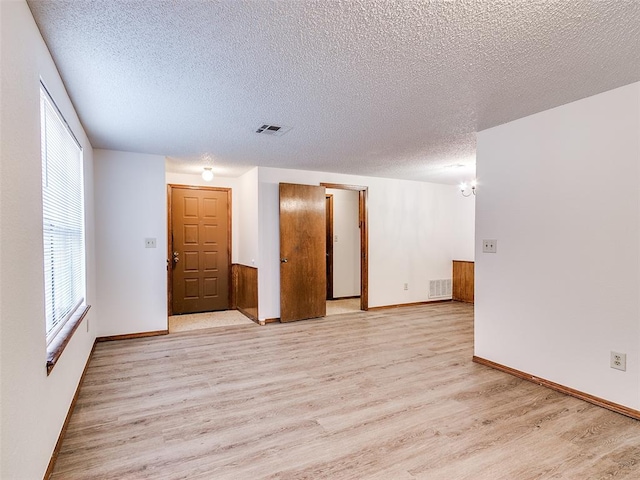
[149, 243]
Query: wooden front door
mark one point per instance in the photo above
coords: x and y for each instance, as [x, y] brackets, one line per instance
[303, 289]
[200, 253]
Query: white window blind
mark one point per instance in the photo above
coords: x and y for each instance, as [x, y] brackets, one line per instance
[63, 217]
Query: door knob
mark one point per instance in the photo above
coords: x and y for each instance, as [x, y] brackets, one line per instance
[176, 258]
[283, 260]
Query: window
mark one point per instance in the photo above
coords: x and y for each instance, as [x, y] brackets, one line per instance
[62, 217]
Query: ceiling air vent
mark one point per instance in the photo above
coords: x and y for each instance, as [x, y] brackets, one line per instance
[275, 130]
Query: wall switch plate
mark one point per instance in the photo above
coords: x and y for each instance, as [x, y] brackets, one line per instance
[149, 243]
[406, 286]
[489, 246]
[619, 361]
[335, 238]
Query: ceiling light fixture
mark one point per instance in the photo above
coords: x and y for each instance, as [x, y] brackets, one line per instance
[207, 174]
[467, 190]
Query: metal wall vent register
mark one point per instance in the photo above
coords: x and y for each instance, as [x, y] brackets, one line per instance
[440, 288]
[274, 130]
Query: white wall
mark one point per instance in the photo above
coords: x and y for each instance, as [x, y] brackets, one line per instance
[223, 182]
[247, 207]
[409, 242]
[464, 225]
[244, 216]
[346, 243]
[131, 205]
[410, 235]
[560, 194]
[34, 405]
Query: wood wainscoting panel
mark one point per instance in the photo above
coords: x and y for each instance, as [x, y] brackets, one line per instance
[463, 281]
[245, 290]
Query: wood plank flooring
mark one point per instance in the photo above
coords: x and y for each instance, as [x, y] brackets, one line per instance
[382, 395]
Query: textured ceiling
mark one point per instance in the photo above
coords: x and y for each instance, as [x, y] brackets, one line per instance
[374, 87]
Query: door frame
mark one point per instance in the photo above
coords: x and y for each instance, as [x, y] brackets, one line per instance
[170, 188]
[363, 214]
[329, 221]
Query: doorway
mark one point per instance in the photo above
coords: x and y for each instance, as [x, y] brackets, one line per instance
[199, 248]
[343, 251]
[329, 235]
[362, 218]
[303, 261]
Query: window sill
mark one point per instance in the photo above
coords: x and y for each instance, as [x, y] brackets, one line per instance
[57, 346]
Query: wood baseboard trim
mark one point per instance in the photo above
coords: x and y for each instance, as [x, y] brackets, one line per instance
[601, 402]
[383, 307]
[128, 336]
[414, 304]
[63, 430]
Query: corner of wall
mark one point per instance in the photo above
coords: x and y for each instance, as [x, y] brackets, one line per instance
[561, 292]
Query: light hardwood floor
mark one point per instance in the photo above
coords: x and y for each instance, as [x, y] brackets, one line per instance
[385, 395]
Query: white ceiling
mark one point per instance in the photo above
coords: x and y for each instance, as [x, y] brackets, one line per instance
[373, 87]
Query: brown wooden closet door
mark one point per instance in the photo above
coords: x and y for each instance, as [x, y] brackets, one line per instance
[303, 288]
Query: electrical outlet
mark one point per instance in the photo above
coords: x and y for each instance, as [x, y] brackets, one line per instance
[149, 243]
[489, 246]
[619, 361]
[406, 286]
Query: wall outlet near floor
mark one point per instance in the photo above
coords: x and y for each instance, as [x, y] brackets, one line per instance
[489, 246]
[406, 286]
[619, 361]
